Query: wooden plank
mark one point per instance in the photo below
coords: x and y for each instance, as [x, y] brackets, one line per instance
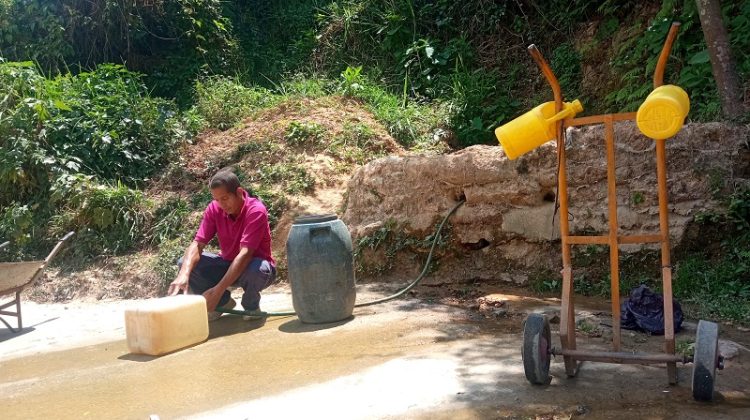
[639, 239]
[614, 251]
[587, 240]
[599, 119]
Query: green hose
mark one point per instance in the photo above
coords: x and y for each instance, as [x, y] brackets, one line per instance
[263, 314]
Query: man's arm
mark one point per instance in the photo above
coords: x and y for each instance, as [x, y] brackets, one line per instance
[189, 260]
[213, 295]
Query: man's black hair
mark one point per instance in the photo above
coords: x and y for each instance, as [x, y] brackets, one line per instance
[225, 178]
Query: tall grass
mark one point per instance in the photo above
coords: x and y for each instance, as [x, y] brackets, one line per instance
[224, 101]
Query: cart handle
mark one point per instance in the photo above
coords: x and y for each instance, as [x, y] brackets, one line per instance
[664, 56]
[548, 74]
[57, 247]
[51, 255]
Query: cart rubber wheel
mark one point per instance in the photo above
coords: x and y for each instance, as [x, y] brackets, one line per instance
[705, 360]
[536, 349]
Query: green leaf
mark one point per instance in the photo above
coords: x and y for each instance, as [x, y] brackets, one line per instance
[220, 25]
[62, 105]
[699, 58]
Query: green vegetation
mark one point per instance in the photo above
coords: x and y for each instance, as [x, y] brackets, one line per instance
[685, 347]
[411, 125]
[223, 101]
[715, 283]
[73, 151]
[355, 145]
[441, 54]
[689, 67]
[169, 220]
[588, 328]
[292, 177]
[388, 241]
[301, 133]
[710, 283]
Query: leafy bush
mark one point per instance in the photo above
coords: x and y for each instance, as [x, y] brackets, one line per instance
[305, 86]
[108, 219]
[480, 102]
[223, 101]
[276, 203]
[260, 150]
[388, 241]
[355, 145]
[566, 63]
[35, 30]
[172, 41]
[16, 222]
[83, 140]
[301, 133]
[100, 123]
[717, 283]
[410, 124]
[351, 80]
[689, 67]
[291, 177]
[169, 220]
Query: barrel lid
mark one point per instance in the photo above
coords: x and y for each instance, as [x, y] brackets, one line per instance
[314, 218]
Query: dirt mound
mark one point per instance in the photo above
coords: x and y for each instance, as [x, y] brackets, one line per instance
[508, 224]
[331, 112]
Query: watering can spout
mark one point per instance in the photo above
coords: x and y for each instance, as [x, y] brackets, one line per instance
[534, 128]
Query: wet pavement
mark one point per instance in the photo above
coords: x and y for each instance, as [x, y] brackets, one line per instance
[405, 359]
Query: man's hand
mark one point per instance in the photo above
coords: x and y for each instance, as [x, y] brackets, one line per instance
[179, 284]
[213, 296]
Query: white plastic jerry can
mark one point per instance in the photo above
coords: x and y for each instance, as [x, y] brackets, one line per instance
[159, 326]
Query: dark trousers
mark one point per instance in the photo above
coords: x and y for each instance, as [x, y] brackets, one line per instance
[211, 268]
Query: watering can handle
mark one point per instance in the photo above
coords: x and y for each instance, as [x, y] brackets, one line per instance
[569, 109]
[560, 115]
[664, 56]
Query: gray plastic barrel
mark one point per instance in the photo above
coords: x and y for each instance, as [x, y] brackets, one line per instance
[321, 269]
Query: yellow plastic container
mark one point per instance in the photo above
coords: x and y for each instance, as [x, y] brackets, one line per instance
[663, 112]
[159, 326]
[534, 128]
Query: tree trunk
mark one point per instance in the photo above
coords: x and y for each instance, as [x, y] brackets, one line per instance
[722, 64]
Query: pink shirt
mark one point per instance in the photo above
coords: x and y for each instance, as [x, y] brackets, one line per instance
[249, 229]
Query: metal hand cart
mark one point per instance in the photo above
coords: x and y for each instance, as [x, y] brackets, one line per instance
[537, 347]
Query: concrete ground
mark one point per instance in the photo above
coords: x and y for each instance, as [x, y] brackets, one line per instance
[414, 358]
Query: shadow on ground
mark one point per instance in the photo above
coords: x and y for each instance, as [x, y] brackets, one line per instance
[297, 326]
[233, 324]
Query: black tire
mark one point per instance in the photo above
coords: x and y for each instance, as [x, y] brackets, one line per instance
[705, 359]
[536, 349]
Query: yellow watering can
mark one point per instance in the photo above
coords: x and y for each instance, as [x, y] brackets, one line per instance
[534, 128]
[663, 112]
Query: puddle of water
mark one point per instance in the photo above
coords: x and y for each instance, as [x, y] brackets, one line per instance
[104, 381]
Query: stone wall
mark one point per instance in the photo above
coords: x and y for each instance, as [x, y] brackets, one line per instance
[506, 227]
